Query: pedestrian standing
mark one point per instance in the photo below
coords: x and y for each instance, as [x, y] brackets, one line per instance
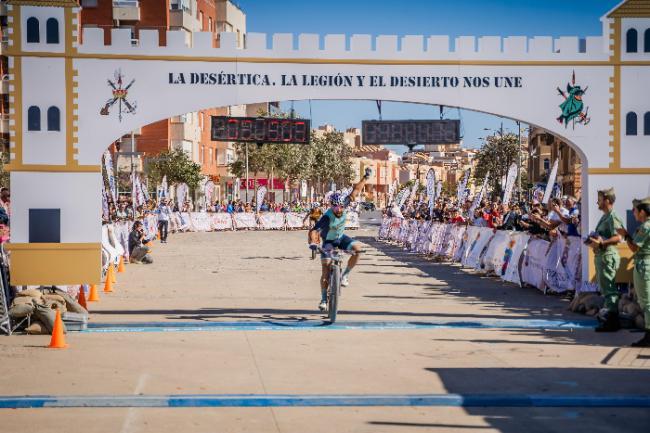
[640, 246]
[607, 258]
[164, 215]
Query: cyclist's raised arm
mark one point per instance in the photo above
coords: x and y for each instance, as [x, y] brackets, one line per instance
[359, 186]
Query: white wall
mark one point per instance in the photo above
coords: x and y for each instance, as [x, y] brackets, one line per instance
[76, 194]
[43, 85]
[42, 14]
[635, 96]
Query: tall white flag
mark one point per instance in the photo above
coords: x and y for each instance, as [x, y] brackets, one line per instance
[551, 183]
[510, 183]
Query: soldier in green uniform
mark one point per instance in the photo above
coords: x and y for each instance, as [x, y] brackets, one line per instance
[640, 246]
[607, 259]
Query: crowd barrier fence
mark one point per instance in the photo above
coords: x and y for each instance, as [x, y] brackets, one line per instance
[512, 256]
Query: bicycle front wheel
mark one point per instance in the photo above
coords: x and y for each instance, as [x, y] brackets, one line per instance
[334, 291]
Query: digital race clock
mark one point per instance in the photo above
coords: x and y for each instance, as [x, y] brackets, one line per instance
[410, 132]
[260, 129]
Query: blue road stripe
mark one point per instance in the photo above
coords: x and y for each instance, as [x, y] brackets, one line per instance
[247, 400]
[322, 325]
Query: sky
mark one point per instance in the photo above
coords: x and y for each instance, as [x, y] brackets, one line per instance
[421, 17]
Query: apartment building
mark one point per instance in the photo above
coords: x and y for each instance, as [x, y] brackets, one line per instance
[187, 131]
[544, 149]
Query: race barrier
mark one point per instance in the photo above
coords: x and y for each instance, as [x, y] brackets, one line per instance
[512, 256]
[207, 221]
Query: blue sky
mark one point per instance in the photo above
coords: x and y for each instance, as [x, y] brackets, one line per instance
[427, 17]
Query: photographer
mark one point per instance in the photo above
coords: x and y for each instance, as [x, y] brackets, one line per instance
[137, 251]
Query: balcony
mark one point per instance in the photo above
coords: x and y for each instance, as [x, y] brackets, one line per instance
[126, 10]
[184, 19]
[3, 8]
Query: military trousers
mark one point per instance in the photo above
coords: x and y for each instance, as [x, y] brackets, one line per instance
[641, 276]
[606, 267]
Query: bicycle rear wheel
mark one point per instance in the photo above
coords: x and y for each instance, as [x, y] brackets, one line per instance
[334, 291]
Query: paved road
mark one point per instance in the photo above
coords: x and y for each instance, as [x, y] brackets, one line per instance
[421, 346]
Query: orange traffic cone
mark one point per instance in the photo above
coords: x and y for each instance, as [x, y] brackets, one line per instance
[112, 273]
[108, 285]
[120, 265]
[93, 296]
[58, 339]
[82, 297]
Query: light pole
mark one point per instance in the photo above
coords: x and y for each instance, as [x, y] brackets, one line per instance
[246, 172]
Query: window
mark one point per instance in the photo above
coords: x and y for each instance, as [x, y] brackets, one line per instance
[33, 118]
[646, 123]
[33, 32]
[630, 123]
[646, 41]
[45, 225]
[201, 23]
[547, 164]
[53, 119]
[210, 159]
[52, 31]
[631, 41]
[89, 3]
[210, 24]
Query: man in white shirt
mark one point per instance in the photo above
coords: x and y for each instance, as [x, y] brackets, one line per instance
[164, 215]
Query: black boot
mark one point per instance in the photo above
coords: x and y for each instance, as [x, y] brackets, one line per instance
[610, 324]
[644, 342]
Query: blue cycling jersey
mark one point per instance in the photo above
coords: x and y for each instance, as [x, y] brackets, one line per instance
[330, 226]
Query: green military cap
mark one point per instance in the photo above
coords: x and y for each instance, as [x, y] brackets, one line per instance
[644, 201]
[608, 193]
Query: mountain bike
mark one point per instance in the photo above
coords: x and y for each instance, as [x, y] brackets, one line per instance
[334, 282]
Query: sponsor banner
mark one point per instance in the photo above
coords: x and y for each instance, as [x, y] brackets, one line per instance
[201, 221]
[221, 221]
[271, 220]
[183, 221]
[534, 262]
[111, 248]
[352, 220]
[494, 256]
[150, 223]
[244, 220]
[511, 269]
[295, 220]
[121, 229]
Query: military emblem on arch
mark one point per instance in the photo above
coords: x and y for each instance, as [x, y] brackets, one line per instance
[120, 93]
[573, 107]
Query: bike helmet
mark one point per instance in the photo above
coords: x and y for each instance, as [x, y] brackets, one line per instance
[337, 199]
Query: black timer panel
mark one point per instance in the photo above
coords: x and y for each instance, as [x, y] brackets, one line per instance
[411, 132]
[260, 129]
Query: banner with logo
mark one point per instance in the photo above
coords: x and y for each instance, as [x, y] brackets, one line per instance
[201, 221]
[461, 193]
[352, 220]
[261, 193]
[221, 221]
[510, 183]
[182, 191]
[550, 183]
[271, 220]
[534, 262]
[244, 220]
[511, 269]
[479, 196]
[295, 220]
[208, 193]
[110, 175]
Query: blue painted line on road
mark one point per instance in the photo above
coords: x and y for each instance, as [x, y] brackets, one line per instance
[341, 325]
[250, 400]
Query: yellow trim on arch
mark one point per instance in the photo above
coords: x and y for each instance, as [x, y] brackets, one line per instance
[619, 170]
[615, 96]
[49, 263]
[54, 168]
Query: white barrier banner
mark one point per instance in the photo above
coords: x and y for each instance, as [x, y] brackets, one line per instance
[493, 259]
[511, 268]
[201, 221]
[352, 220]
[122, 230]
[532, 269]
[182, 221]
[271, 220]
[561, 266]
[244, 220]
[294, 220]
[150, 223]
[222, 221]
[474, 245]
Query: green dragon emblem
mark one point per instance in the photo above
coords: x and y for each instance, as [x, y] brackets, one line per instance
[573, 107]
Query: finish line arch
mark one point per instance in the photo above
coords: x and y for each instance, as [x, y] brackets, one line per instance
[104, 91]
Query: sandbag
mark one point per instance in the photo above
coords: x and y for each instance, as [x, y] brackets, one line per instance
[47, 316]
[25, 300]
[51, 297]
[71, 304]
[21, 310]
[32, 293]
[36, 328]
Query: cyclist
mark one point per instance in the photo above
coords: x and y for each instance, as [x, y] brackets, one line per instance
[331, 227]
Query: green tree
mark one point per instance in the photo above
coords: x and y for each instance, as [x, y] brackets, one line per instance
[4, 175]
[330, 160]
[495, 156]
[177, 166]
